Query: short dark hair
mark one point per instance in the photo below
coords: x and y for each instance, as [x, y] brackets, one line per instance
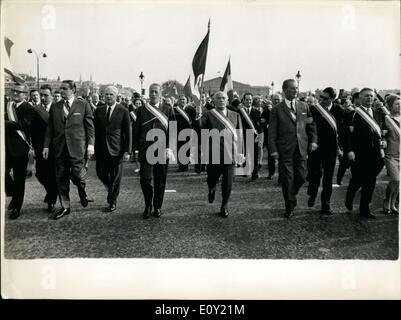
[56, 91]
[71, 84]
[33, 90]
[286, 83]
[331, 92]
[365, 89]
[355, 96]
[46, 87]
[247, 94]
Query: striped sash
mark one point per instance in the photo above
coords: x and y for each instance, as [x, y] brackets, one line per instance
[133, 115]
[395, 126]
[227, 124]
[370, 121]
[12, 116]
[248, 119]
[66, 110]
[184, 114]
[326, 115]
[158, 114]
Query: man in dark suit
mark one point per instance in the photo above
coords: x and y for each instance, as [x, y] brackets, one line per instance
[112, 144]
[45, 170]
[223, 149]
[363, 146]
[250, 118]
[328, 118]
[70, 135]
[292, 133]
[185, 115]
[18, 120]
[153, 118]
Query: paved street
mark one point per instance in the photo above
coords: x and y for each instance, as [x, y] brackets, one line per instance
[191, 228]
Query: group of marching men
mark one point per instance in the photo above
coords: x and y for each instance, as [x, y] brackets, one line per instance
[305, 137]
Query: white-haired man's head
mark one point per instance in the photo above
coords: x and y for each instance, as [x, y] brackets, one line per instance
[110, 95]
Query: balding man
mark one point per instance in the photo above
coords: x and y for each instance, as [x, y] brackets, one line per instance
[112, 144]
[228, 124]
[153, 117]
[292, 133]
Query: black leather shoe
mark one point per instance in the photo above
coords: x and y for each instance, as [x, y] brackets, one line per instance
[59, 214]
[311, 202]
[14, 214]
[254, 177]
[157, 213]
[112, 207]
[327, 212]
[146, 212]
[289, 213]
[51, 207]
[211, 195]
[367, 215]
[84, 202]
[10, 206]
[394, 211]
[223, 213]
[348, 205]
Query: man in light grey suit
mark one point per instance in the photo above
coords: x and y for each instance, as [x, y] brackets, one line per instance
[70, 136]
[291, 134]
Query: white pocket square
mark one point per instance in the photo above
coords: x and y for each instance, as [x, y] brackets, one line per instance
[76, 114]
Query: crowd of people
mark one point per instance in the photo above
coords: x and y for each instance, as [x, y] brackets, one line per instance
[303, 137]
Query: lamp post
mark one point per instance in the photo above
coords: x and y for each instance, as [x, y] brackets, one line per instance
[141, 77]
[38, 55]
[298, 77]
[272, 85]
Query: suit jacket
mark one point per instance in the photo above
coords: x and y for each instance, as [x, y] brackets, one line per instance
[39, 127]
[255, 117]
[181, 121]
[77, 132]
[327, 137]
[15, 145]
[112, 137]
[145, 122]
[284, 135]
[362, 140]
[209, 121]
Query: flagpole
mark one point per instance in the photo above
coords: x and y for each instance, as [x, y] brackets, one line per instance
[202, 86]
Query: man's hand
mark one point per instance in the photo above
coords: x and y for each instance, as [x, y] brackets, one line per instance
[240, 159]
[126, 156]
[170, 155]
[351, 156]
[90, 153]
[274, 155]
[312, 147]
[45, 153]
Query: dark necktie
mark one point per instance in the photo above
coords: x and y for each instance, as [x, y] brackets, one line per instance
[108, 113]
[292, 107]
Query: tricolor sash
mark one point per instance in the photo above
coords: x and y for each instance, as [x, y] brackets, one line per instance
[42, 113]
[12, 116]
[133, 115]
[327, 116]
[391, 122]
[158, 114]
[248, 119]
[184, 114]
[65, 110]
[227, 124]
[370, 121]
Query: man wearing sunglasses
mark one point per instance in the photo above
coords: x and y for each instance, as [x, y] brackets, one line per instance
[70, 136]
[328, 118]
[44, 167]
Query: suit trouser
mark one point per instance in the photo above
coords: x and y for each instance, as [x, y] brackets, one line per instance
[150, 193]
[343, 166]
[292, 173]
[109, 170]
[68, 168]
[214, 171]
[364, 173]
[321, 163]
[271, 162]
[199, 166]
[46, 175]
[187, 154]
[15, 186]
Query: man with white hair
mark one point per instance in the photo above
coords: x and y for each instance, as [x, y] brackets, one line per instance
[112, 144]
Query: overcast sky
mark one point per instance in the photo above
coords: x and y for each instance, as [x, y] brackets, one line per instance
[340, 44]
